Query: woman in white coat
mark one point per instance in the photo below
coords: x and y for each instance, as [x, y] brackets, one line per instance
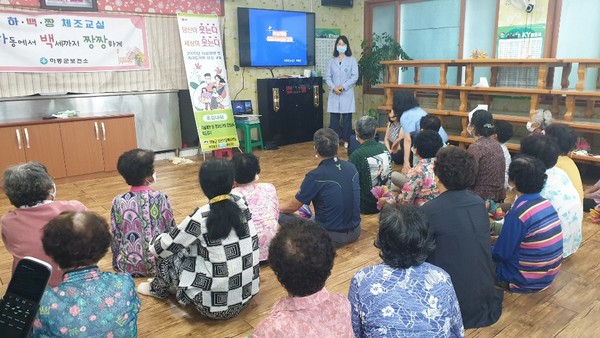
[342, 73]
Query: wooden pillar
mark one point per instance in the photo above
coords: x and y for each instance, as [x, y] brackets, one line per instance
[581, 70]
[566, 71]
[570, 103]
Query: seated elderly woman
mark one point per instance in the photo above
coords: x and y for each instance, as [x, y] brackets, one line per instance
[559, 189]
[302, 257]
[489, 182]
[333, 188]
[32, 191]
[211, 258]
[420, 186]
[404, 296]
[261, 197]
[567, 142]
[88, 302]
[542, 118]
[460, 226]
[529, 249]
[138, 215]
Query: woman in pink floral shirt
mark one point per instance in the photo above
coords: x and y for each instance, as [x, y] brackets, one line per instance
[420, 187]
[302, 256]
[261, 198]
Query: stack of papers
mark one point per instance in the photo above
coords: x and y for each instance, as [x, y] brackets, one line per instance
[247, 119]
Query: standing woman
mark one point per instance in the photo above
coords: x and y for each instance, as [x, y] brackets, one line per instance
[342, 73]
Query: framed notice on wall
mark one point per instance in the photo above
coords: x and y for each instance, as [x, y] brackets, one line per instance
[70, 5]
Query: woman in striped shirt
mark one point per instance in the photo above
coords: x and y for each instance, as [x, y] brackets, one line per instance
[529, 249]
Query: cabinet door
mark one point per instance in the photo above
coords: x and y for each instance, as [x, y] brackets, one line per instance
[43, 144]
[300, 113]
[13, 151]
[118, 136]
[82, 147]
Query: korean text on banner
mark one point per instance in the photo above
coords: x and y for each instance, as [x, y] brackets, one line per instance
[72, 42]
[207, 80]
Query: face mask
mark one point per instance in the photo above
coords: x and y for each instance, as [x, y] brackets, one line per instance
[529, 127]
[53, 193]
[470, 130]
[153, 179]
[341, 49]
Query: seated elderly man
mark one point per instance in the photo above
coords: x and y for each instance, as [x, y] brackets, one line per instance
[301, 256]
[373, 162]
[333, 188]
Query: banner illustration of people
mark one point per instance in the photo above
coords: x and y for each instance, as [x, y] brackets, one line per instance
[207, 80]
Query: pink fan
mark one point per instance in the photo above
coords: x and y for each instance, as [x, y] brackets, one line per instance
[382, 193]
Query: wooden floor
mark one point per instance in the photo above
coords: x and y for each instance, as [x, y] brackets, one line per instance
[571, 308]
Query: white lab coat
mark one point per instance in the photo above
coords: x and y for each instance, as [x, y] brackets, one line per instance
[344, 74]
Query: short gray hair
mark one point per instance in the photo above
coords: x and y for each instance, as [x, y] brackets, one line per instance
[326, 142]
[543, 117]
[27, 184]
[365, 127]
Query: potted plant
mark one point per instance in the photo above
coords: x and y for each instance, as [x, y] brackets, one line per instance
[380, 47]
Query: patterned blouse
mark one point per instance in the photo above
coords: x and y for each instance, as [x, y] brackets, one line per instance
[564, 198]
[322, 314]
[420, 187]
[136, 217]
[89, 303]
[394, 131]
[224, 272]
[489, 183]
[416, 302]
[264, 206]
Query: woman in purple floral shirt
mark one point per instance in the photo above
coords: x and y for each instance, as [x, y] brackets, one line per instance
[88, 303]
[138, 215]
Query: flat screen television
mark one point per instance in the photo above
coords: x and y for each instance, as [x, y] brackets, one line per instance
[274, 38]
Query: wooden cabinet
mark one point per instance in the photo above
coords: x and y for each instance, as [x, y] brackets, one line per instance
[38, 142]
[93, 146]
[291, 109]
[68, 148]
[118, 136]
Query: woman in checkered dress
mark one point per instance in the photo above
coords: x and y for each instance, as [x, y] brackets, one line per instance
[210, 259]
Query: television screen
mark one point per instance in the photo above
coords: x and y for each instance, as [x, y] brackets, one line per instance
[273, 38]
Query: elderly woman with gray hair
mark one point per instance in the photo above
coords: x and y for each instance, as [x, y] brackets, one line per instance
[32, 191]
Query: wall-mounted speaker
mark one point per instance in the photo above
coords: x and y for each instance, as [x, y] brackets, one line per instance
[337, 3]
